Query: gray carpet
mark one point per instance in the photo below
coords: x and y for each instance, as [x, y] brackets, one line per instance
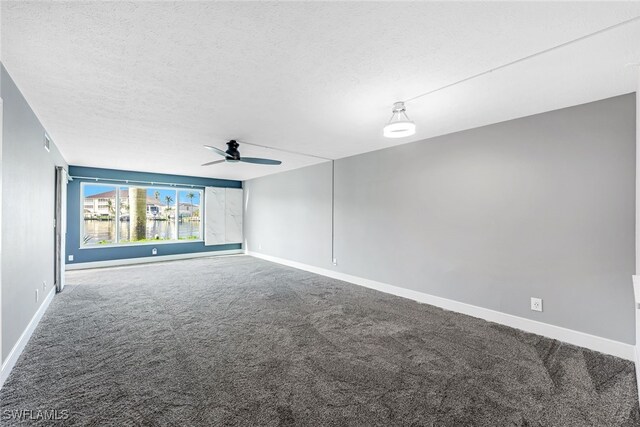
[240, 341]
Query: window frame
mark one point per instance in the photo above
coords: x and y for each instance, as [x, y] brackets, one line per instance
[118, 186]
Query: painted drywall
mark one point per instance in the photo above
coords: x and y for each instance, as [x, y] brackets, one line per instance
[115, 252]
[638, 183]
[542, 206]
[28, 179]
[288, 215]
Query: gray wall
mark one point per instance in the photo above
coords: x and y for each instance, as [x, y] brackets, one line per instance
[541, 206]
[27, 213]
[288, 215]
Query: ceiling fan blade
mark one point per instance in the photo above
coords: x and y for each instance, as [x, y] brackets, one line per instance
[216, 150]
[259, 161]
[214, 162]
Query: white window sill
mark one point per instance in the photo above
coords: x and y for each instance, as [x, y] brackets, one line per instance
[157, 242]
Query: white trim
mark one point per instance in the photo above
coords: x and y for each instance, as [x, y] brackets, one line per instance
[148, 259]
[581, 339]
[16, 351]
[128, 184]
[150, 243]
[637, 362]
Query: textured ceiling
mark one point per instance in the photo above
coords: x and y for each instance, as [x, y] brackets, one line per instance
[142, 86]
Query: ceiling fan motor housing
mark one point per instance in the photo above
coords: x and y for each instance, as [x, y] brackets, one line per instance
[233, 155]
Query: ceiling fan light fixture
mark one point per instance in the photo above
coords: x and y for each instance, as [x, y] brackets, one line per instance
[399, 125]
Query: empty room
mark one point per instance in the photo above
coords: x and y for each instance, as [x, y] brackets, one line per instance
[319, 213]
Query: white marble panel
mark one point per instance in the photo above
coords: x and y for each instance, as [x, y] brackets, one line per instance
[233, 215]
[214, 211]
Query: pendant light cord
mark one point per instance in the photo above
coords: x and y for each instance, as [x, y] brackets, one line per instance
[285, 151]
[333, 212]
[517, 61]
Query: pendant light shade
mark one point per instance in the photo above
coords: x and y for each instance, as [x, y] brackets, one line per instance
[399, 125]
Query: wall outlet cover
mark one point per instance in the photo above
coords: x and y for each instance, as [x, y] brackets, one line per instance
[37, 295]
[154, 251]
[536, 304]
[70, 257]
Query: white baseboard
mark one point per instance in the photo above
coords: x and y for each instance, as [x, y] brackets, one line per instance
[145, 260]
[16, 351]
[581, 339]
[637, 360]
[636, 294]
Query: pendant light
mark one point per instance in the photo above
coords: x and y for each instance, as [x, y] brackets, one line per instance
[399, 125]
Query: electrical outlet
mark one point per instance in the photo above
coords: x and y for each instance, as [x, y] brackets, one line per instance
[154, 251]
[44, 285]
[37, 296]
[335, 261]
[536, 304]
[70, 257]
[259, 246]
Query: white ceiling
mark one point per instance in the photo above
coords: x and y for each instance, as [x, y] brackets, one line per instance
[142, 86]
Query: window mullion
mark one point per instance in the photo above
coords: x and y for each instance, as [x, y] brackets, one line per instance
[201, 214]
[177, 216]
[117, 218]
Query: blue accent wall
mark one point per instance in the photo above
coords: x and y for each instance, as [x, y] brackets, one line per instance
[140, 251]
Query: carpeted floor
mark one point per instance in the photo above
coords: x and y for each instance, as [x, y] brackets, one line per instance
[240, 341]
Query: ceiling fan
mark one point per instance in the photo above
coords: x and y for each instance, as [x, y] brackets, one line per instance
[232, 155]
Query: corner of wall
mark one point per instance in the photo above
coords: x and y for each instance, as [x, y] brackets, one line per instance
[636, 293]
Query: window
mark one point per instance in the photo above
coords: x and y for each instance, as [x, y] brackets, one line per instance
[99, 214]
[189, 215]
[130, 214]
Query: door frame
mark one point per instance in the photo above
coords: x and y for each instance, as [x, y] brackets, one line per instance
[60, 227]
[1, 167]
